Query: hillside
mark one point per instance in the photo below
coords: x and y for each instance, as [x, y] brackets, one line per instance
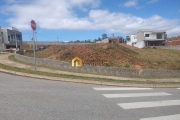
[160, 58]
[117, 55]
[173, 41]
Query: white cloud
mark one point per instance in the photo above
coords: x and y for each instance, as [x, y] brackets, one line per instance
[153, 1]
[93, 3]
[130, 3]
[60, 14]
[174, 31]
[98, 14]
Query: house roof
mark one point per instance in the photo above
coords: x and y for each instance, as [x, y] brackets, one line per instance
[153, 31]
[11, 28]
[154, 39]
[160, 31]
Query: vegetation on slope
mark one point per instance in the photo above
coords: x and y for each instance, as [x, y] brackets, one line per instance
[117, 55]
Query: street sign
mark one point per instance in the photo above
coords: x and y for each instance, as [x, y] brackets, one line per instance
[33, 25]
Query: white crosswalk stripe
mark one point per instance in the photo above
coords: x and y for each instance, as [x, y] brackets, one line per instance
[139, 105]
[170, 117]
[135, 95]
[123, 88]
[135, 105]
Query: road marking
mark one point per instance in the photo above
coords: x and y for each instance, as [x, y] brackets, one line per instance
[135, 95]
[178, 88]
[149, 104]
[170, 117]
[122, 88]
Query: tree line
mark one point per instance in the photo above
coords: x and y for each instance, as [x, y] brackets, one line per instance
[104, 36]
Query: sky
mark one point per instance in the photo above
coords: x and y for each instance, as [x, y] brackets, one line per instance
[70, 20]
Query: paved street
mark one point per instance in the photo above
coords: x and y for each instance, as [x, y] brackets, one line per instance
[23, 98]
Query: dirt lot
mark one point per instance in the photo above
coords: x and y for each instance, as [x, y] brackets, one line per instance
[118, 55]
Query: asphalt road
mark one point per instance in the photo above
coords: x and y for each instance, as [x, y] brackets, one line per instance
[23, 98]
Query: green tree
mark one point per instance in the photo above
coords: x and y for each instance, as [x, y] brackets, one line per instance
[99, 39]
[104, 36]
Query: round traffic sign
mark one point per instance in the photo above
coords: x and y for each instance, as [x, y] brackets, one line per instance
[33, 25]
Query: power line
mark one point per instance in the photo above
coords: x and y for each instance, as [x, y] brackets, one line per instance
[26, 32]
[45, 36]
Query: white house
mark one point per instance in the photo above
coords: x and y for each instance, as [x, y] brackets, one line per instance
[131, 39]
[145, 38]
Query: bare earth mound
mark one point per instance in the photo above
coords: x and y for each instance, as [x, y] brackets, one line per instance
[117, 55]
[94, 54]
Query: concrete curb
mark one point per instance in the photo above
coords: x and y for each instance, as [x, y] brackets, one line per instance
[89, 81]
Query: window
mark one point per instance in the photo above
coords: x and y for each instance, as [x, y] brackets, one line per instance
[12, 37]
[8, 38]
[128, 38]
[159, 36]
[146, 35]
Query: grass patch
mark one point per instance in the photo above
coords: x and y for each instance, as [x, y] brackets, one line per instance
[6, 67]
[12, 58]
[160, 58]
[127, 50]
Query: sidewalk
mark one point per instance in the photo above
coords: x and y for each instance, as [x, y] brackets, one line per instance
[4, 60]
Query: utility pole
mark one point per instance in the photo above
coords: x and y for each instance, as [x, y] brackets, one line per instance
[57, 40]
[36, 39]
[34, 53]
[1, 42]
[16, 40]
[30, 44]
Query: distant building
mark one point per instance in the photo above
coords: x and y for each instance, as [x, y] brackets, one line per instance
[114, 40]
[146, 38]
[10, 38]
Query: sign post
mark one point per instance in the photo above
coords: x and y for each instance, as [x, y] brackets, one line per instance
[33, 26]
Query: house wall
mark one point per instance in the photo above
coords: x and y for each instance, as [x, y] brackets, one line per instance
[150, 35]
[5, 36]
[164, 36]
[153, 36]
[114, 40]
[133, 38]
[140, 36]
[103, 41]
[2, 47]
[140, 44]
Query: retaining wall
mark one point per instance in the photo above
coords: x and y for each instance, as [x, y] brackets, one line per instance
[168, 73]
[115, 71]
